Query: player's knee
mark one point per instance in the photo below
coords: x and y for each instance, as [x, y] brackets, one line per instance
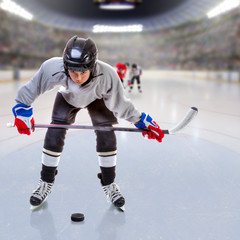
[106, 141]
[54, 139]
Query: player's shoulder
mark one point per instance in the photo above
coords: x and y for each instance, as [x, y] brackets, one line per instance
[105, 67]
[54, 64]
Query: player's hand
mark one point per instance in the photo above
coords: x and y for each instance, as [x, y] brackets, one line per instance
[147, 123]
[24, 120]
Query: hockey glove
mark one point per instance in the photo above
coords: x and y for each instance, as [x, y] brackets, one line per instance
[147, 123]
[24, 120]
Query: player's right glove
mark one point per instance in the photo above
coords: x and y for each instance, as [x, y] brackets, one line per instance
[24, 120]
[147, 123]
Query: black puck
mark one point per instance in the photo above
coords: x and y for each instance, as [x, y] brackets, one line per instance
[77, 217]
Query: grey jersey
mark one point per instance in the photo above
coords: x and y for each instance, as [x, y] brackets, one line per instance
[134, 73]
[105, 84]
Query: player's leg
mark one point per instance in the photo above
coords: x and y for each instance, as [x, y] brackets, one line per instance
[106, 150]
[139, 83]
[63, 113]
[132, 82]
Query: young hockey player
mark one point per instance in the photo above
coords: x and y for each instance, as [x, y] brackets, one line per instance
[122, 70]
[86, 83]
[135, 73]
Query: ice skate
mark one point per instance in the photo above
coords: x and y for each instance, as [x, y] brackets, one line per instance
[40, 194]
[113, 194]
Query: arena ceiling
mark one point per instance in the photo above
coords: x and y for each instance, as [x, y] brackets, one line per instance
[82, 15]
[87, 10]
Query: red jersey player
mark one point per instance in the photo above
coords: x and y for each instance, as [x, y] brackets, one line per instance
[121, 70]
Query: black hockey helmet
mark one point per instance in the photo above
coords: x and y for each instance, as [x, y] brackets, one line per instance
[80, 54]
[127, 64]
[134, 65]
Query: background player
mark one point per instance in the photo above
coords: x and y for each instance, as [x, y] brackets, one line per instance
[135, 74]
[122, 70]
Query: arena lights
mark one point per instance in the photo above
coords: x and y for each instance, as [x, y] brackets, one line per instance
[223, 7]
[16, 9]
[117, 4]
[127, 28]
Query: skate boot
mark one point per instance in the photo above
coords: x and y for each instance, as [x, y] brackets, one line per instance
[41, 193]
[113, 194]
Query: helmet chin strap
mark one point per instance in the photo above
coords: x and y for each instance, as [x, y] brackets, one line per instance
[66, 72]
[90, 79]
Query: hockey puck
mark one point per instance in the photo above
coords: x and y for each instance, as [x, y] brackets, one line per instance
[77, 217]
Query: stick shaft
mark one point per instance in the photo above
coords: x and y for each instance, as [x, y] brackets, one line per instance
[99, 128]
[183, 123]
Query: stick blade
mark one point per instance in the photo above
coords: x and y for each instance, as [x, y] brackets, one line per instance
[185, 121]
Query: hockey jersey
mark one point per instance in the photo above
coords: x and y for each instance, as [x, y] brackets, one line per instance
[121, 70]
[105, 84]
[137, 72]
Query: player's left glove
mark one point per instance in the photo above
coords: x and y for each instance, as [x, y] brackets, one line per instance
[147, 123]
[24, 120]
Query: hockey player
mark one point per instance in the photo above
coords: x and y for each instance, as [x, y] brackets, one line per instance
[135, 73]
[86, 83]
[121, 71]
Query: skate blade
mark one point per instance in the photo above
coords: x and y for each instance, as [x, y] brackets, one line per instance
[34, 208]
[122, 209]
[38, 207]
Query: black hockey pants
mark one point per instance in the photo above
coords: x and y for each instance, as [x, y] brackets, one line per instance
[64, 113]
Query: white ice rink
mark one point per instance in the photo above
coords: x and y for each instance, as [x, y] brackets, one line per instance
[186, 188]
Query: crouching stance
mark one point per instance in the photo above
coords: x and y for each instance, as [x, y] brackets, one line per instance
[86, 82]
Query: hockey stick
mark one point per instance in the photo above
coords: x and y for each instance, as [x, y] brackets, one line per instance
[183, 123]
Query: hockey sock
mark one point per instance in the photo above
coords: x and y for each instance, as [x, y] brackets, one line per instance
[48, 173]
[108, 175]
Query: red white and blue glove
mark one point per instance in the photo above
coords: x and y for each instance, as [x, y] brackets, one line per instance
[24, 120]
[147, 123]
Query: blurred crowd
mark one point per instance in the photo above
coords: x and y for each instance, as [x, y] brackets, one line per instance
[209, 44]
[28, 43]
